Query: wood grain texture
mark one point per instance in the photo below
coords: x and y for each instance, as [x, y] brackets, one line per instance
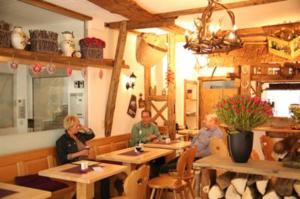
[57, 9]
[228, 5]
[171, 86]
[25, 192]
[173, 146]
[259, 167]
[114, 82]
[28, 57]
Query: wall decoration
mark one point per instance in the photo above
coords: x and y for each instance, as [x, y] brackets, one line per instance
[141, 101]
[50, 68]
[18, 38]
[83, 72]
[100, 73]
[285, 43]
[36, 68]
[69, 71]
[67, 46]
[132, 107]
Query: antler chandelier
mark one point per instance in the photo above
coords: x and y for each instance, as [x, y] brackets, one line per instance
[209, 38]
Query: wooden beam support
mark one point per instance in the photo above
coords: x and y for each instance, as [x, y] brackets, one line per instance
[147, 86]
[144, 24]
[171, 86]
[228, 5]
[245, 80]
[127, 8]
[114, 82]
[57, 9]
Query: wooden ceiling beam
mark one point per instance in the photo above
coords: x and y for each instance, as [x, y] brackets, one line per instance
[143, 24]
[127, 8]
[228, 5]
[57, 9]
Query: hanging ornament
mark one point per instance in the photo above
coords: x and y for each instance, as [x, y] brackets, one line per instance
[50, 68]
[100, 73]
[36, 68]
[13, 65]
[69, 71]
[83, 72]
[170, 76]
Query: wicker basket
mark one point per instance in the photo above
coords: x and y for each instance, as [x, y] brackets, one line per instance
[5, 38]
[91, 52]
[43, 41]
[5, 35]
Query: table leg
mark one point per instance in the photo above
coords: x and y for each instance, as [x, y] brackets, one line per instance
[208, 177]
[84, 191]
[131, 167]
[197, 182]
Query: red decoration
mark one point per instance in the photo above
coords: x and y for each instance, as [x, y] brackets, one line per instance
[36, 68]
[69, 71]
[92, 42]
[100, 74]
[13, 65]
[170, 76]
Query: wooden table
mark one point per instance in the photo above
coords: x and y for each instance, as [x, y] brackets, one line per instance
[278, 132]
[208, 164]
[188, 132]
[24, 192]
[174, 146]
[132, 161]
[84, 181]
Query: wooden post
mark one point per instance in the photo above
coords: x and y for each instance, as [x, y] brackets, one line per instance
[258, 89]
[171, 86]
[245, 80]
[114, 82]
[147, 86]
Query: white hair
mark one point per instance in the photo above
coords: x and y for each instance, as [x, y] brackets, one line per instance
[212, 116]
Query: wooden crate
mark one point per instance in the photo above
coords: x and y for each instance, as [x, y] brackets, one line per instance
[282, 48]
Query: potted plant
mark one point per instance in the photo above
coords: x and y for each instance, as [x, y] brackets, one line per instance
[242, 114]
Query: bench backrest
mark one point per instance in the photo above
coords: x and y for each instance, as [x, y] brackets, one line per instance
[31, 162]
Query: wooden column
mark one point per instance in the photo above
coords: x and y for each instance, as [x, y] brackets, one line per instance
[245, 80]
[147, 86]
[258, 89]
[114, 82]
[171, 86]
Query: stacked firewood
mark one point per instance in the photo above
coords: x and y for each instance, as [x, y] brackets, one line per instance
[231, 185]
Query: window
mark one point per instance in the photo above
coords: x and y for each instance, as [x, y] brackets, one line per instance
[6, 100]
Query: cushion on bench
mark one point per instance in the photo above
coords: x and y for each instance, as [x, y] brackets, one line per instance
[39, 182]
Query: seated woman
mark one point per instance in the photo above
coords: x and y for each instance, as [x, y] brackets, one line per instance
[70, 147]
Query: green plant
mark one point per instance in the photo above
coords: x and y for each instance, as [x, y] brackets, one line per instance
[243, 113]
[295, 110]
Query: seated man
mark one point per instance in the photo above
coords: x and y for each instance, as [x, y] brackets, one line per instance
[144, 131]
[202, 139]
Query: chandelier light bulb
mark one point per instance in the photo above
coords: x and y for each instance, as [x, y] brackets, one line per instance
[231, 36]
[234, 28]
[214, 28]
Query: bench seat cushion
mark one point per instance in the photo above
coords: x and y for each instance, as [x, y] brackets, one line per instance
[40, 182]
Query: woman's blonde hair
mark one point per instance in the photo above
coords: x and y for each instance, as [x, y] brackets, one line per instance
[70, 121]
[212, 116]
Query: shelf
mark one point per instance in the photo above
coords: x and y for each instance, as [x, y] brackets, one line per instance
[29, 57]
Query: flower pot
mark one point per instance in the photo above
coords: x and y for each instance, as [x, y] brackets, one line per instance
[240, 146]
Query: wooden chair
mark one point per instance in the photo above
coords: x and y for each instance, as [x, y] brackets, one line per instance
[267, 147]
[174, 183]
[135, 184]
[218, 147]
[189, 174]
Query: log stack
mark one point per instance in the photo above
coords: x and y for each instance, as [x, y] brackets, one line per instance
[231, 185]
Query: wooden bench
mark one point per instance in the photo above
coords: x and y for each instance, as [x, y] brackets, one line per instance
[31, 162]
